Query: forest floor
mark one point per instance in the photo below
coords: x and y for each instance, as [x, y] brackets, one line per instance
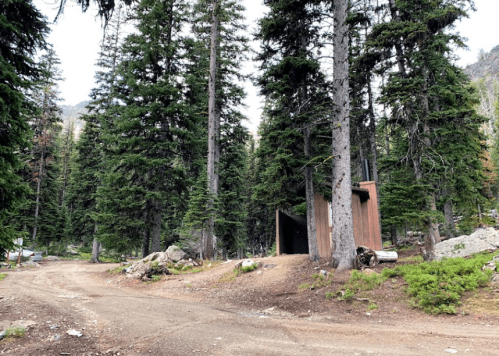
[215, 312]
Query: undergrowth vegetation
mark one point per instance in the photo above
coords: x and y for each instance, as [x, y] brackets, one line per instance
[2, 276]
[236, 272]
[436, 287]
[359, 282]
[319, 281]
[15, 332]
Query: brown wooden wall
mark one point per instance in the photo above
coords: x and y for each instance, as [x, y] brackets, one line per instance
[374, 241]
[323, 228]
[366, 228]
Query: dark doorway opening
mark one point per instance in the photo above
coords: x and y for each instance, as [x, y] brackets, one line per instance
[293, 237]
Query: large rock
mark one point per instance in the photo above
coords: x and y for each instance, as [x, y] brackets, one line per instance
[175, 253]
[480, 240]
[155, 263]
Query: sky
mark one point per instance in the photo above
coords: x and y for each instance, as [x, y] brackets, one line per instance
[76, 37]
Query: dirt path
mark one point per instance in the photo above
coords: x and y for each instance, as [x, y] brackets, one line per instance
[118, 319]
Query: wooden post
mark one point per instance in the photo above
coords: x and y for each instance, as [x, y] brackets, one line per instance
[277, 239]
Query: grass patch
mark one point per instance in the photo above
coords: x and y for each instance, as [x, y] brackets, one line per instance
[372, 306]
[15, 332]
[84, 256]
[248, 268]
[319, 281]
[181, 269]
[414, 259]
[155, 278]
[436, 287]
[360, 282]
[236, 272]
[229, 276]
[118, 270]
[2, 276]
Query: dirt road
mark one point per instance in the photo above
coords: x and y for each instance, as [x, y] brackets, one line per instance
[119, 320]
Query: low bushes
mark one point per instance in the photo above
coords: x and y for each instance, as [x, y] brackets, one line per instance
[436, 287]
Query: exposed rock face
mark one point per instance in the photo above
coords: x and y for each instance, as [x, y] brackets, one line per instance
[480, 240]
[487, 66]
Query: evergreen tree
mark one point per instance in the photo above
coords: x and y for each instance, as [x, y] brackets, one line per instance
[144, 145]
[89, 158]
[22, 30]
[430, 104]
[41, 212]
[230, 48]
[294, 84]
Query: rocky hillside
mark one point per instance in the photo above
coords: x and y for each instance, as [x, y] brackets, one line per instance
[70, 112]
[486, 67]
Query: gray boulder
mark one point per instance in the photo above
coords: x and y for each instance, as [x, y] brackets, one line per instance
[175, 253]
[462, 246]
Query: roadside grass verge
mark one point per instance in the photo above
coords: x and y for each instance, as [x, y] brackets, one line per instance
[437, 287]
[360, 282]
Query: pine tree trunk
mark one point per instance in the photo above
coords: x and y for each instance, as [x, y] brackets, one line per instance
[433, 236]
[374, 153]
[156, 229]
[309, 191]
[213, 125]
[145, 243]
[449, 217]
[393, 235]
[344, 246]
[95, 249]
[37, 203]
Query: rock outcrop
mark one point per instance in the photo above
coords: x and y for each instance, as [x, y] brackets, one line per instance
[480, 240]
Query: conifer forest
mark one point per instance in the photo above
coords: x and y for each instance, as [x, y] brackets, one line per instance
[354, 90]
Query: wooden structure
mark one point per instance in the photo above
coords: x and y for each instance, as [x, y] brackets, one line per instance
[291, 230]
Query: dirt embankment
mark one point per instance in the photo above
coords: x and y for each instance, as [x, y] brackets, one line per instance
[274, 310]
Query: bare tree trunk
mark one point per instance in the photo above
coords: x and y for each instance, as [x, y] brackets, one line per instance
[69, 146]
[344, 245]
[156, 229]
[213, 127]
[309, 192]
[95, 249]
[37, 203]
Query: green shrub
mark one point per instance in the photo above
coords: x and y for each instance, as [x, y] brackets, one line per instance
[347, 294]
[436, 287]
[273, 249]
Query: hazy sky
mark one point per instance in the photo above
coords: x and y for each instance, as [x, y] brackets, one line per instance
[76, 39]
